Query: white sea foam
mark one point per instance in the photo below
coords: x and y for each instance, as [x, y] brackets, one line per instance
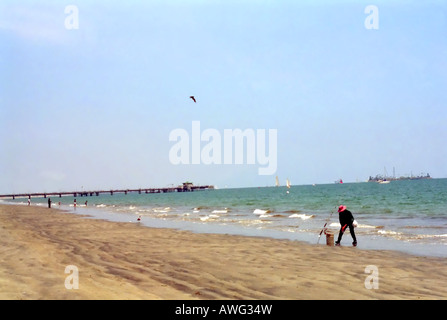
[209, 217]
[220, 211]
[429, 236]
[335, 225]
[302, 216]
[252, 222]
[388, 232]
[366, 226]
[260, 211]
[360, 226]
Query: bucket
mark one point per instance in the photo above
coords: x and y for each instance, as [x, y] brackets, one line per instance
[329, 238]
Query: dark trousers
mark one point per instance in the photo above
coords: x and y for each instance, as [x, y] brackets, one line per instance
[343, 229]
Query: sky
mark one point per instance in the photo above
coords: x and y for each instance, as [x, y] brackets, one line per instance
[90, 96]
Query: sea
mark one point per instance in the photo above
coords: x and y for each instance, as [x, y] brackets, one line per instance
[406, 215]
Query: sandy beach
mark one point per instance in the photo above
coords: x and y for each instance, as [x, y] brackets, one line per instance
[129, 261]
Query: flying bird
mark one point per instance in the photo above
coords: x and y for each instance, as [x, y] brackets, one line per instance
[193, 99]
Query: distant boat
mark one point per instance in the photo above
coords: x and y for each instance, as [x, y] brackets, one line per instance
[277, 182]
[339, 181]
[288, 183]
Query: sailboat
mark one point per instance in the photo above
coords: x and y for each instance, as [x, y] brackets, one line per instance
[277, 182]
[288, 185]
[385, 176]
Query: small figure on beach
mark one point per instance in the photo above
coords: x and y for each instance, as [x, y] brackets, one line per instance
[86, 203]
[193, 99]
[74, 203]
[49, 202]
[346, 220]
[29, 201]
[139, 218]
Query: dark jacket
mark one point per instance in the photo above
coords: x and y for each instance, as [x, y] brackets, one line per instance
[346, 217]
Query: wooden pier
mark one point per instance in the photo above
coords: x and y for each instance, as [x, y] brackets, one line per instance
[186, 187]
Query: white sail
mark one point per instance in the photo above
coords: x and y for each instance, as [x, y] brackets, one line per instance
[288, 183]
[277, 181]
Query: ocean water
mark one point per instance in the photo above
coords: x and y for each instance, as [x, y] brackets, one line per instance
[408, 215]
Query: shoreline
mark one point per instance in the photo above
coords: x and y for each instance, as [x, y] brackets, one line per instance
[121, 260]
[368, 242]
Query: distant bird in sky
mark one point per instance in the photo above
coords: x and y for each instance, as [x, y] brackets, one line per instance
[193, 99]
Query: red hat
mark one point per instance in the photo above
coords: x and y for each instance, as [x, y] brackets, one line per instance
[341, 208]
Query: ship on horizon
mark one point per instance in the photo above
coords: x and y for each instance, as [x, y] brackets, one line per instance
[386, 179]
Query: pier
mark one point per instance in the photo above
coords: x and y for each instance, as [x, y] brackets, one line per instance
[186, 187]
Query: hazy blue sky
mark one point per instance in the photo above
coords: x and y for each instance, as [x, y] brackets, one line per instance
[93, 107]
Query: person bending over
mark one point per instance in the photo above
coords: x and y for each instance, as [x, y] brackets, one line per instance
[346, 220]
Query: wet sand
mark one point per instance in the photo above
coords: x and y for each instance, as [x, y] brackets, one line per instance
[130, 261]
